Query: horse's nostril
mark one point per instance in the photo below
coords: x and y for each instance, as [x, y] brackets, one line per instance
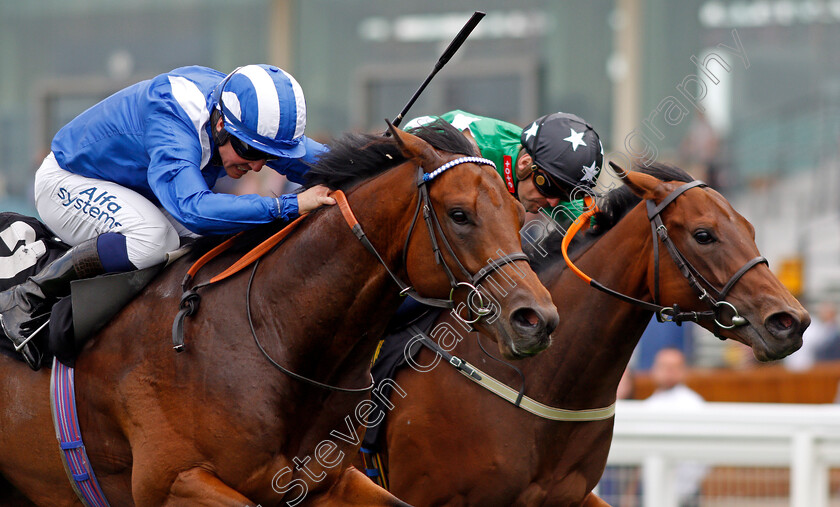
[785, 321]
[781, 322]
[526, 317]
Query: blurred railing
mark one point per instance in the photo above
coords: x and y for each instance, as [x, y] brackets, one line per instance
[747, 454]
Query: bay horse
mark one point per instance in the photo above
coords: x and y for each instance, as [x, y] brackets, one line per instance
[218, 424]
[450, 442]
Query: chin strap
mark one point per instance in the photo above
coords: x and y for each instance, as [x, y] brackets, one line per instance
[220, 136]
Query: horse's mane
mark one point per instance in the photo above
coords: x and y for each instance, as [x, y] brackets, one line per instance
[613, 206]
[356, 157]
[353, 158]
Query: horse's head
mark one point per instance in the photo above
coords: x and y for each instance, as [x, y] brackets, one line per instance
[748, 302]
[475, 222]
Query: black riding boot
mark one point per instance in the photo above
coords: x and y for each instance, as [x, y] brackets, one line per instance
[23, 307]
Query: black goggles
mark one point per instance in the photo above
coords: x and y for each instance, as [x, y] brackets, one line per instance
[241, 148]
[247, 151]
[546, 185]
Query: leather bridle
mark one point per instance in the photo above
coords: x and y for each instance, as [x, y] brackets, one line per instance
[438, 237]
[435, 229]
[190, 299]
[704, 289]
[716, 299]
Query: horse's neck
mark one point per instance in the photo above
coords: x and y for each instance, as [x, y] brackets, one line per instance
[336, 295]
[597, 332]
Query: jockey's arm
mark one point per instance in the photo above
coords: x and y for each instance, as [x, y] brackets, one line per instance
[182, 191]
[175, 178]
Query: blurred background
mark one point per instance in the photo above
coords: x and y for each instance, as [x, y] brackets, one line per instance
[742, 94]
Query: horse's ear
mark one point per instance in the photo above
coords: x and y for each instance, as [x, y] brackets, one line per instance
[641, 184]
[619, 171]
[416, 149]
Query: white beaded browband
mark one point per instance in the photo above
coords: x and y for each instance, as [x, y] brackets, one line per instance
[452, 163]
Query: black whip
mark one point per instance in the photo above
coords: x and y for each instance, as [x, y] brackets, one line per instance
[445, 57]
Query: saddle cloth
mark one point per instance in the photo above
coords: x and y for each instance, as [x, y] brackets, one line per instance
[391, 357]
[27, 246]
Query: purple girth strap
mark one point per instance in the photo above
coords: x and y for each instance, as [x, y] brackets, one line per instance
[66, 421]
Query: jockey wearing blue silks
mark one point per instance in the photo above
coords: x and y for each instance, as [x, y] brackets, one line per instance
[131, 175]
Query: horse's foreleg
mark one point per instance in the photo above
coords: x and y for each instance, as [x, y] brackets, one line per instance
[354, 488]
[593, 500]
[198, 486]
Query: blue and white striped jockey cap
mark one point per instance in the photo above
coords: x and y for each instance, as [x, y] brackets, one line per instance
[263, 106]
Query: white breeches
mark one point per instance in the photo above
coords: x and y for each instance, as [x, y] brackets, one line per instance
[78, 208]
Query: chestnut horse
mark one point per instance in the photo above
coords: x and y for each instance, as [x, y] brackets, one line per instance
[450, 442]
[218, 424]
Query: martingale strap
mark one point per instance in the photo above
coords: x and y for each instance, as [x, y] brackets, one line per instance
[66, 421]
[506, 392]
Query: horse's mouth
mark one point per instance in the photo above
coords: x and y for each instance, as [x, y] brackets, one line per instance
[521, 349]
[765, 345]
[524, 334]
[773, 351]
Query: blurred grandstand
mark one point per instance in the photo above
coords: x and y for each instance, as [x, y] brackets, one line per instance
[765, 73]
[615, 62]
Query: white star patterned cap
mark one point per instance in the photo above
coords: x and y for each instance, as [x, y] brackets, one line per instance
[566, 147]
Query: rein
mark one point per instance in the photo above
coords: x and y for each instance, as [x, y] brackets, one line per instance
[436, 235]
[280, 367]
[190, 299]
[691, 274]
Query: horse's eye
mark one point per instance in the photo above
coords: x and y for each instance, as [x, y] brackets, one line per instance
[703, 237]
[458, 216]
